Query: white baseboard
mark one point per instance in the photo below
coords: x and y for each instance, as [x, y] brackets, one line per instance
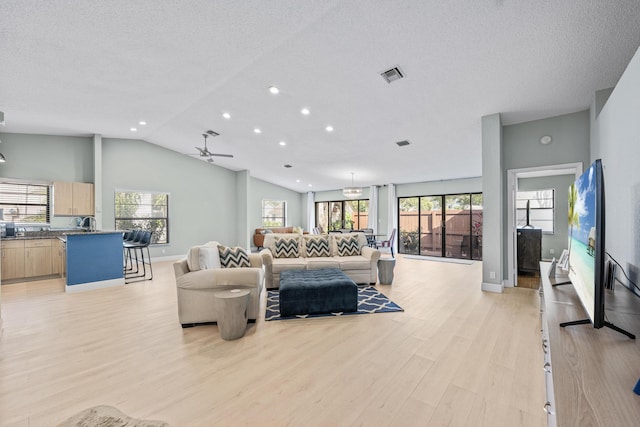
[90, 286]
[168, 258]
[492, 287]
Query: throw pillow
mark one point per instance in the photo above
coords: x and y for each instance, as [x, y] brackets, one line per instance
[287, 247]
[233, 257]
[317, 246]
[348, 246]
[209, 258]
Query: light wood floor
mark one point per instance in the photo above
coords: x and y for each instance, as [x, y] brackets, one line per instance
[456, 356]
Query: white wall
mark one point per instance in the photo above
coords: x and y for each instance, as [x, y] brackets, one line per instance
[616, 140]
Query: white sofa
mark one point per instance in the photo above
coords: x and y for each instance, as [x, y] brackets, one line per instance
[361, 268]
[200, 275]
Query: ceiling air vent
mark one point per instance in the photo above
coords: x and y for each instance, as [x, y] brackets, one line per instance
[212, 133]
[403, 143]
[288, 166]
[392, 75]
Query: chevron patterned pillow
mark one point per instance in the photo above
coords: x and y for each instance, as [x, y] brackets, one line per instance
[233, 257]
[287, 247]
[317, 246]
[348, 246]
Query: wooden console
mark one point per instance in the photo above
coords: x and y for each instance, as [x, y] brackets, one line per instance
[591, 372]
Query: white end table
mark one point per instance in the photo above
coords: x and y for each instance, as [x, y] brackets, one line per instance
[232, 313]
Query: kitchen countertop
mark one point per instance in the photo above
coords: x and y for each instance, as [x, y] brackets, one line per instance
[57, 234]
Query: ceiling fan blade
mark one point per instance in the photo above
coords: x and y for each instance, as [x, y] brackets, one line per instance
[221, 155]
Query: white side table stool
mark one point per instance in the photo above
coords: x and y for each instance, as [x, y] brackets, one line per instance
[232, 321]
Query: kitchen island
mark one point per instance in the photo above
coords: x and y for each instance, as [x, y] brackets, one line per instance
[94, 260]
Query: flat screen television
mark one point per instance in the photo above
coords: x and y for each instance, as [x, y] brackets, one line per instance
[586, 241]
[586, 245]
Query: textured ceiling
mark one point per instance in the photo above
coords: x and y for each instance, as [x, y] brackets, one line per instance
[78, 67]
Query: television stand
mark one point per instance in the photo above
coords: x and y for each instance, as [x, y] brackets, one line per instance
[607, 324]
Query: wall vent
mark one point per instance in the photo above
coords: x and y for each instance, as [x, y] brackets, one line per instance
[392, 75]
[403, 143]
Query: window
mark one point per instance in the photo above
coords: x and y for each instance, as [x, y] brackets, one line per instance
[143, 210]
[23, 202]
[541, 209]
[349, 214]
[274, 213]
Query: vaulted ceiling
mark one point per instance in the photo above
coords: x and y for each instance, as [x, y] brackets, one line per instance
[74, 67]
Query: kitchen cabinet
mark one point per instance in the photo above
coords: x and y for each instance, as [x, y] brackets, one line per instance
[37, 258]
[58, 257]
[73, 199]
[12, 259]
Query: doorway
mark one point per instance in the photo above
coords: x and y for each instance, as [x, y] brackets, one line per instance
[514, 176]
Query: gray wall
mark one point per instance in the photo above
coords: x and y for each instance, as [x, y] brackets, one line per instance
[557, 241]
[570, 144]
[204, 198]
[296, 204]
[493, 227]
[616, 140]
[521, 148]
[47, 158]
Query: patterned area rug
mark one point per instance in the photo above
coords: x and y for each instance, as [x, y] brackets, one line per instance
[107, 416]
[369, 301]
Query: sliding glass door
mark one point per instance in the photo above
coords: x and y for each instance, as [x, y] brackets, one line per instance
[431, 225]
[442, 226]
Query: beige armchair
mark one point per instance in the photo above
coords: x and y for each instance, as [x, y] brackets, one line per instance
[196, 286]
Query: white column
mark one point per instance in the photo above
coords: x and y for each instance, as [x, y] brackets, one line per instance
[373, 209]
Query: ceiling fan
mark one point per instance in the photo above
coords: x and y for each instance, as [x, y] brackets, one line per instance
[204, 152]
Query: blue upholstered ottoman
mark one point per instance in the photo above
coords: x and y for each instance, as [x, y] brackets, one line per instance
[327, 290]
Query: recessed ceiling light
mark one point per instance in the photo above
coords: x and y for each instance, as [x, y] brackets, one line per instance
[133, 129]
[329, 128]
[305, 111]
[282, 143]
[142, 123]
[297, 180]
[274, 90]
[310, 185]
[226, 115]
[256, 130]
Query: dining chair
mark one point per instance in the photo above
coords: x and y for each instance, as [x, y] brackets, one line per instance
[387, 243]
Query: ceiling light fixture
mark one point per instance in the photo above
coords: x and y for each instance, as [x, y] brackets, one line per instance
[226, 116]
[256, 130]
[352, 192]
[282, 143]
[305, 111]
[329, 128]
[274, 90]
[142, 123]
[133, 129]
[297, 180]
[545, 140]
